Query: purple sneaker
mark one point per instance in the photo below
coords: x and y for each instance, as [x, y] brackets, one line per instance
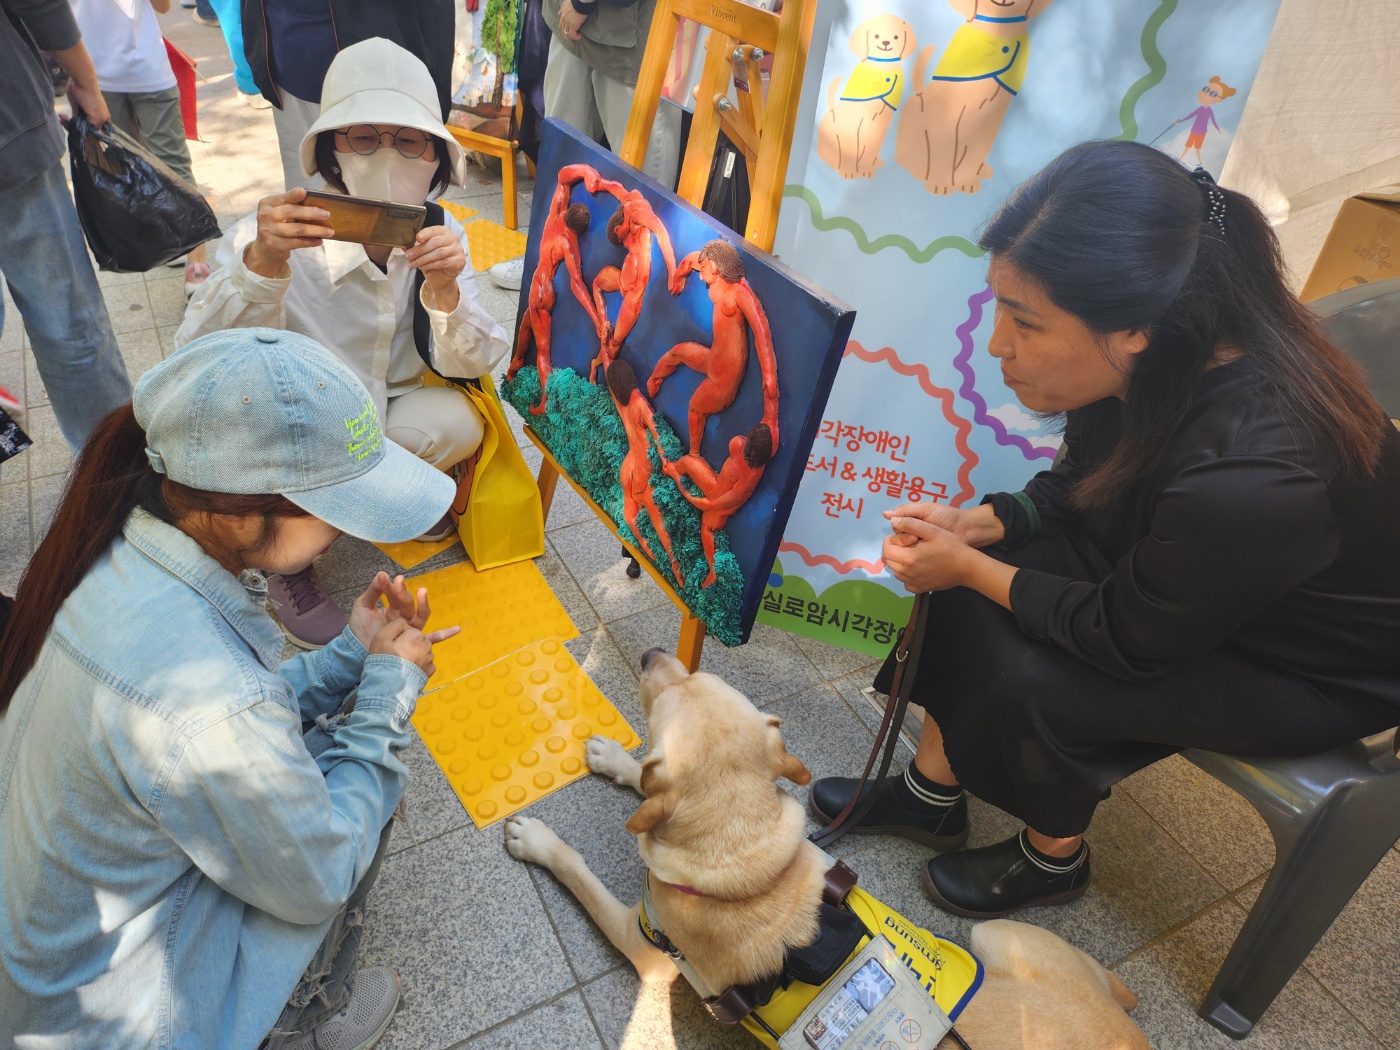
[443, 529]
[309, 617]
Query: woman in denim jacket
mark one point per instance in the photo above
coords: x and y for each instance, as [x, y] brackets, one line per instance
[178, 866]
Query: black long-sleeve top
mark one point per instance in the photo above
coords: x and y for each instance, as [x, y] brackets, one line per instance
[1246, 535]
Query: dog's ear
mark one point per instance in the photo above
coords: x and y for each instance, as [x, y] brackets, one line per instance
[789, 766]
[909, 42]
[860, 40]
[650, 813]
[966, 8]
[793, 769]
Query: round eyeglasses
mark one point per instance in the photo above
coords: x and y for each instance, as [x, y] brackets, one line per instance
[366, 139]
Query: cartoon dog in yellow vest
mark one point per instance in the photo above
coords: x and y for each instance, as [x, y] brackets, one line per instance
[948, 126]
[735, 891]
[853, 130]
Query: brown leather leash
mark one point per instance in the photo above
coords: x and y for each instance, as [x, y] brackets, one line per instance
[906, 654]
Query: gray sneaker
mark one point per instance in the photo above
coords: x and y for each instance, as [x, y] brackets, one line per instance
[362, 1022]
[309, 617]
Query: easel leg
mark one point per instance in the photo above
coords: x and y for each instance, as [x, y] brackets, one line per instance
[508, 188]
[691, 642]
[548, 478]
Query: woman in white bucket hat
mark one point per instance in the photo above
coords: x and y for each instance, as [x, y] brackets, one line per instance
[379, 135]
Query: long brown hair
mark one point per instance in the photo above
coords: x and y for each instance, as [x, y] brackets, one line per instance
[1119, 235]
[112, 477]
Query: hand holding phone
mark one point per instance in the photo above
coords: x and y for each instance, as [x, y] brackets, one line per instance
[367, 221]
[285, 224]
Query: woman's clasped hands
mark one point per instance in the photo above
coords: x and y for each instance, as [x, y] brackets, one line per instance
[388, 619]
[934, 547]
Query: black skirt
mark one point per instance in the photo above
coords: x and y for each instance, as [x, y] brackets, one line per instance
[1043, 735]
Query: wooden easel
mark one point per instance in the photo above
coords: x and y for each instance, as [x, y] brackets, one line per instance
[740, 37]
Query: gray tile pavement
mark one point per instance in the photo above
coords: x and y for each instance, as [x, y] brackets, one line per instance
[496, 956]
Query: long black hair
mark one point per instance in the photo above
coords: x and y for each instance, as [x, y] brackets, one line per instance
[112, 477]
[1120, 235]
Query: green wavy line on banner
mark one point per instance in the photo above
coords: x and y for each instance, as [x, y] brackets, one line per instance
[879, 244]
[1156, 66]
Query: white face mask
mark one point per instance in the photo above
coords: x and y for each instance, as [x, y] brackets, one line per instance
[387, 175]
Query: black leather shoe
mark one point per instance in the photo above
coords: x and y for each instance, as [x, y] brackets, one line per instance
[992, 881]
[942, 829]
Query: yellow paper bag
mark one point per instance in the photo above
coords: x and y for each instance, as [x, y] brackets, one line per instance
[498, 503]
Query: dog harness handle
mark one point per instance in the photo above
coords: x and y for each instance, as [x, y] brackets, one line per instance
[911, 644]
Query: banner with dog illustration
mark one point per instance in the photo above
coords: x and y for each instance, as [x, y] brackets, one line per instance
[674, 372]
[919, 118]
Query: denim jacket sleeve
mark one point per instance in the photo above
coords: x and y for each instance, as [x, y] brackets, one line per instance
[248, 804]
[322, 679]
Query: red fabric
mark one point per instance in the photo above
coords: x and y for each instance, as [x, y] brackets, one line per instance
[183, 67]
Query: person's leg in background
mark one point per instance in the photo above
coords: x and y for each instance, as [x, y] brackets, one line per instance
[614, 102]
[440, 426]
[46, 264]
[162, 129]
[205, 14]
[568, 91]
[292, 122]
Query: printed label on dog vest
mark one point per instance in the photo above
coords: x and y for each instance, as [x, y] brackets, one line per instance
[874, 1000]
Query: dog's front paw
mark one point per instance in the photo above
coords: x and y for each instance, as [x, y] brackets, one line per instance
[531, 840]
[607, 758]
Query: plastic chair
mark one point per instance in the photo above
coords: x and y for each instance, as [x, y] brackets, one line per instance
[1333, 815]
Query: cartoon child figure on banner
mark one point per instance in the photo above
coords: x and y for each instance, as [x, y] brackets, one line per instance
[631, 226]
[1212, 94]
[565, 224]
[947, 129]
[723, 364]
[855, 125]
[726, 493]
[638, 420]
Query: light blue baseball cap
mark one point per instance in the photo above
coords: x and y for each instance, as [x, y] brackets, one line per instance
[256, 411]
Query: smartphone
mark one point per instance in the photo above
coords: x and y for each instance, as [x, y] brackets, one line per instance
[366, 221]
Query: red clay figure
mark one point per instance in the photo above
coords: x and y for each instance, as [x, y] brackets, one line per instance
[723, 363]
[631, 226]
[558, 244]
[725, 494]
[635, 475]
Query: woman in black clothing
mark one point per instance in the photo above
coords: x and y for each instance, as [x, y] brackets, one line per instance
[1214, 562]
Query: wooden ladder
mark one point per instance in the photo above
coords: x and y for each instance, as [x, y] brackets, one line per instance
[761, 128]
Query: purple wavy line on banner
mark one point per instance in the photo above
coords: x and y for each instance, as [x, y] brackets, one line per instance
[963, 364]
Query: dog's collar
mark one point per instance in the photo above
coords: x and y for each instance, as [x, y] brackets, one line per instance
[1001, 21]
[872, 58]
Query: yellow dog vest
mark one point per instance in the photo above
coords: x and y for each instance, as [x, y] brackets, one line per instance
[975, 54]
[950, 973]
[876, 78]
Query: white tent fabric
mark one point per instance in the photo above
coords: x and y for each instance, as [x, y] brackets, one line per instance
[1323, 120]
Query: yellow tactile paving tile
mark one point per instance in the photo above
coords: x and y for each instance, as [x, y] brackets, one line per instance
[411, 552]
[499, 611]
[460, 212]
[514, 731]
[490, 243]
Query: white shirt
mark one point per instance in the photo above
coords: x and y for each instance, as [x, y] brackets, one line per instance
[364, 316]
[123, 38]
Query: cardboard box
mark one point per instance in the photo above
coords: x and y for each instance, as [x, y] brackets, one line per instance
[1363, 245]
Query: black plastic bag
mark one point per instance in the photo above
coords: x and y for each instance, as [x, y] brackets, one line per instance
[136, 213]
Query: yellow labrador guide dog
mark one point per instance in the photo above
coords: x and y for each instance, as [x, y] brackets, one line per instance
[774, 936]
